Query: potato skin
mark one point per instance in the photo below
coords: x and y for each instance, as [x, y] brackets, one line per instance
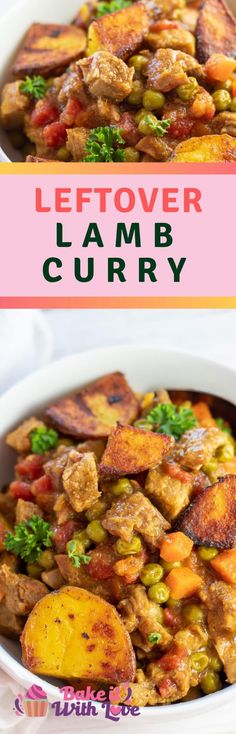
[94, 410]
[215, 31]
[48, 49]
[206, 149]
[211, 518]
[75, 634]
[131, 450]
[121, 33]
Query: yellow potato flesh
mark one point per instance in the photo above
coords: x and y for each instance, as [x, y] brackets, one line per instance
[75, 634]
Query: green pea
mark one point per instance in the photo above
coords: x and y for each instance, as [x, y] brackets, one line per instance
[96, 510]
[151, 574]
[153, 100]
[188, 90]
[168, 566]
[136, 95]
[46, 560]
[138, 62]
[96, 532]
[139, 116]
[215, 663]
[131, 155]
[122, 486]
[146, 124]
[128, 549]
[233, 105]
[159, 593]
[34, 570]
[210, 682]
[63, 154]
[81, 537]
[172, 603]
[193, 613]
[199, 661]
[141, 423]
[221, 99]
[207, 554]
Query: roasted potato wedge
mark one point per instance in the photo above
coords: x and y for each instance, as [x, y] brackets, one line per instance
[121, 33]
[215, 31]
[211, 518]
[94, 411]
[131, 450]
[48, 49]
[75, 634]
[206, 149]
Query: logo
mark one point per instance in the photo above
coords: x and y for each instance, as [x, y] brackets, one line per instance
[114, 703]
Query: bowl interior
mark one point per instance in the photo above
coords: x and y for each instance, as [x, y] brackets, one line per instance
[145, 368]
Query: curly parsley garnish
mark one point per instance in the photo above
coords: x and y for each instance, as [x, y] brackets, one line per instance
[35, 86]
[171, 419]
[43, 439]
[78, 559]
[29, 539]
[104, 8]
[158, 128]
[224, 426]
[101, 145]
[154, 638]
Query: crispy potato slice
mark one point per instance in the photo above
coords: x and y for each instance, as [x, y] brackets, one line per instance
[121, 33]
[215, 31]
[75, 634]
[211, 518]
[94, 411]
[131, 450]
[48, 49]
[208, 148]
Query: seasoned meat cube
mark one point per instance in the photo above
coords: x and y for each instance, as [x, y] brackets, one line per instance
[225, 122]
[216, 30]
[96, 445]
[95, 409]
[54, 467]
[80, 577]
[156, 148]
[107, 76]
[121, 33]
[198, 446]
[221, 602]
[208, 148]
[176, 38]
[53, 578]
[168, 69]
[192, 637]
[169, 494]
[202, 569]
[26, 510]
[143, 693]
[10, 624]
[135, 513]
[13, 106]
[49, 49]
[20, 438]
[9, 559]
[131, 450]
[7, 507]
[80, 480]
[139, 613]
[21, 592]
[63, 509]
[171, 674]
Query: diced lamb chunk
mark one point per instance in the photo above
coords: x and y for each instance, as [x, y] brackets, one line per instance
[20, 438]
[135, 513]
[221, 602]
[10, 624]
[169, 494]
[63, 509]
[76, 142]
[54, 467]
[80, 577]
[53, 578]
[21, 592]
[80, 480]
[176, 39]
[171, 674]
[107, 76]
[168, 69]
[225, 122]
[25, 510]
[157, 149]
[197, 447]
[139, 613]
[13, 106]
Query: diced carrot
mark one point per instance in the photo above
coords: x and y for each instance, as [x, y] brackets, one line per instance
[129, 568]
[203, 415]
[225, 565]
[183, 582]
[176, 547]
[219, 67]
[164, 25]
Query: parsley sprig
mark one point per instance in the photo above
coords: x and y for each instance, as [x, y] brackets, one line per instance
[104, 8]
[43, 439]
[171, 419]
[101, 145]
[78, 559]
[29, 539]
[158, 128]
[35, 86]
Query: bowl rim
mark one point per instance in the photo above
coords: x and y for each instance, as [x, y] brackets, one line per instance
[7, 660]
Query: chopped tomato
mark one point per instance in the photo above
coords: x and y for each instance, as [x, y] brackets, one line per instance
[55, 134]
[43, 113]
[61, 535]
[170, 618]
[167, 688]
[129, 128]
[172, 659]
[21, 490]
[69, 114]
[103, 558]
[181, 125]
[174, 470]
[203, 105]
[164, 25]
[32, 467]
[43, 484]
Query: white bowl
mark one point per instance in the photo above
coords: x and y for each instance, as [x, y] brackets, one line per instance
[14, 25]
[146, 368]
